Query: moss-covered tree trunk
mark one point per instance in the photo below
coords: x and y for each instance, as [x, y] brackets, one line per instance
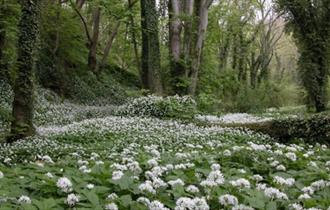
[150, 72]
[313, 66]
[22, 125]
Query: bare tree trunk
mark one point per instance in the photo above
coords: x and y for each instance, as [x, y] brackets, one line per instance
[135, 44]
[109, 44]
[151, 77]
[202, 16]
[92, 55]
[22, 125]
[177, 67]
[188, 34]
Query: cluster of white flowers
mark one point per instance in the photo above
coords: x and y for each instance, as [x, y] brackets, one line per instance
[157, 205]
[111, 206]
[185, 203]
[192, 189]
[64, 184]
[72, 199]
[228, 200]
[116, 175]
[291, 155]
[241, 183]
[237, 118]
[282, 181]
[215, 177]
[147, 187]
[24, 199]
[274, 193]
[90, 186]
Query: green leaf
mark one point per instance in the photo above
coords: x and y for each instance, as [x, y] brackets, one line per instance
[271, 206]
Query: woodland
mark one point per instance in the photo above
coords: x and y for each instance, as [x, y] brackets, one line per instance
[165, 104]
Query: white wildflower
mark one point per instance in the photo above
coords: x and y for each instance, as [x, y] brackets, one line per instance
[111, 206]
[157, 205]
[192, 189]
[292, 156]
[72, 199]
[90, 186]
[242, 183]
[257, 177]
[112, 196]
[282, 181]
[304, 196]
[147, 187]
[275, 193]
[227, 200]
[116, 175]
[280, 168]
[64, 184]
[24, 199]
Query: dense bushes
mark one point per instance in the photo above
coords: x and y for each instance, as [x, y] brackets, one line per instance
[156, 106]
[314, 128]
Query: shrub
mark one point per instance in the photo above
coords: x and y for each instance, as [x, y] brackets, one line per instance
[163, 107]
[313, 128]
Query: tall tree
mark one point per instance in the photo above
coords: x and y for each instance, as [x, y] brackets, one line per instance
[309, 21]
[22, 125]
[150, 64]
[191, 17]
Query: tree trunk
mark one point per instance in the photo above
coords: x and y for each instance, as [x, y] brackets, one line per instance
[189, 24]
[316, 79]
[202, 17]
[177, 67]
[92, 55]
[151, 77]
[134, 38]
[109, 44]
[22, 125]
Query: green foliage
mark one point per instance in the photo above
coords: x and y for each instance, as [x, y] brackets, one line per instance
[163, 107]
[309, 22]
[9, 17]
[315, 128]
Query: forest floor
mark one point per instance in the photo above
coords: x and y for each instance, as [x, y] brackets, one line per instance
[85, 157]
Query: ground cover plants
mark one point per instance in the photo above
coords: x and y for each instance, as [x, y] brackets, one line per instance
[103, 161]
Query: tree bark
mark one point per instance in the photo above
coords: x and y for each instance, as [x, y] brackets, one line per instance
[134, 38]
[176, 64]
[202, 7]
[92, 55]
[151, 77]
[109, 44]
[22, 124]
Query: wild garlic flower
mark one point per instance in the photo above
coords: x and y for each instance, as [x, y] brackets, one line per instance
[24, 199]
[242, 183]
[72, 199]
[111, 206]
[64, 184]
[116, 175]
[228, 200]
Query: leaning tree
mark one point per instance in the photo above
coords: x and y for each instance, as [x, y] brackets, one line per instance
[22, 125]
[309, 22]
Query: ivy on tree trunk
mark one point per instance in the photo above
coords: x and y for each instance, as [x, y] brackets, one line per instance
[22, 124]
